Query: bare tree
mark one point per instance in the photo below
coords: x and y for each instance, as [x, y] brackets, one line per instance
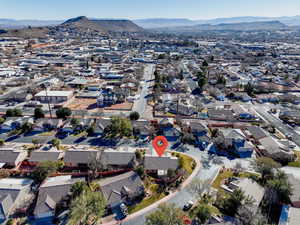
[199, 187]
[97, 163]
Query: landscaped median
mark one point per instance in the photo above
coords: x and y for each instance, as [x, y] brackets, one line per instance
[156, 196]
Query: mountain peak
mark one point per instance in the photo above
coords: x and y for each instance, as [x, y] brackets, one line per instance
[76, 19]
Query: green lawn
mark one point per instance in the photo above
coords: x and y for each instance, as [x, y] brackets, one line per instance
[46, 134]
[297, 162]
[148, 200]
[187, 163]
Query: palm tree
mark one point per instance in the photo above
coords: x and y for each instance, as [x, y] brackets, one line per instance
[87, 208]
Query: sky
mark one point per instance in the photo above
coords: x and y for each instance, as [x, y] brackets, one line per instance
[138, 9]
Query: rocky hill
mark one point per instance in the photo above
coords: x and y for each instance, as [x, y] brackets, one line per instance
[78, 24]
[118, 25]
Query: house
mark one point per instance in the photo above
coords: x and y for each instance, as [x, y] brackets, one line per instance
[47, 124]
[217, 94]
[182, 109]
[197, 128]
[53, 97]
[172, 134]
[276, 150]
[10, 157]
[202, 142]
[52, 192]
[67, 127]
[118, 158]
[13, 193]
[11, 123]
[39, 156]
[244, 97]
[122, 189]
[250, 188]
[233, 141]
[142, 128]
[80, 158]
[220, 114]
[160, 165]
[101, 125]
[256, 133]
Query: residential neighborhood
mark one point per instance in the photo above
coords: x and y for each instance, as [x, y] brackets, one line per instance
[83, 101]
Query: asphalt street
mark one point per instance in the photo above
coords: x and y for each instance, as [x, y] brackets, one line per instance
[141, 103]
[278, 124]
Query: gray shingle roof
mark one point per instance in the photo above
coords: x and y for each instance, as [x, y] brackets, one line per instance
[51, 193]
[116, 188]
[257, 132]
[160, 163]
[10, 155]
[6, 203]
[111, 157]
[80, 156]
[39, 156]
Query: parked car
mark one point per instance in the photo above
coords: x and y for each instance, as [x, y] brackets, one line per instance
[188, 205]
[124, 210]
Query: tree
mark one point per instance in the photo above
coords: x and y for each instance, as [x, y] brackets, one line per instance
[249, 89]
[204, 64]
[2, 142]
[279, 189]
[167, 214]
[90, 130]
[87, 208]
[203, 213]
[78, 188]
[297, 78]
[63, 113]
[266, 167]
[27, 127]
[44, 169]
[55, 142]
[38, 113]
[231, 204]
[35, 142]
[134, 116]
[121, 127]
[202, 81]
[140, 171]
[96, 163]
[75, 122]
[248, 215]
[2, 120]
[13, 112]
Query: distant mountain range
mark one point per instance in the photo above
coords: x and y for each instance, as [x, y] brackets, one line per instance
[158, 22]
[80, 24]
[39, 28]
[246, 26]
[175, 22]
[11, 23]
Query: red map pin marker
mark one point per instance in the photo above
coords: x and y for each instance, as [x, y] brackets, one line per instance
[160, 144]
